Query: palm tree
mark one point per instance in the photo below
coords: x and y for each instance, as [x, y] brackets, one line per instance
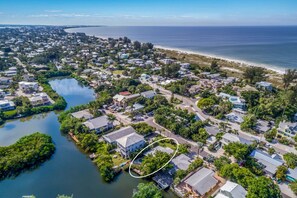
[289, 77]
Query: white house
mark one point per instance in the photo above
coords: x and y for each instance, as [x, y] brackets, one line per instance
[39, 99]
[130, 143]
[231, 190]
[6, 105]
[122, 132]
[28, 87]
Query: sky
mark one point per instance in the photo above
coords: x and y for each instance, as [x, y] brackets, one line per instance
[149, 12]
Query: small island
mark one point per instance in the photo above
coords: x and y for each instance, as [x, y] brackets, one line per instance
[27, 153]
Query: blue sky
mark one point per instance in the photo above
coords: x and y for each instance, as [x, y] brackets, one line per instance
[149, 12]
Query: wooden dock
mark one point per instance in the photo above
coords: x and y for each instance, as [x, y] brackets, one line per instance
[73, 137]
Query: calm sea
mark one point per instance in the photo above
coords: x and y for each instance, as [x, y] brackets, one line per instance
[274, 47]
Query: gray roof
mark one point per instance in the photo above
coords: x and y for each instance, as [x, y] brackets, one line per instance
[270, 163]
[159, 148]
[148, 94]
[130, 140]
[132, 96]
[112, 137]
[202, 181]
[182, 162]
[83, 114]
[262, 126]
[292, 173]
[212, 130]
[236, 138]
[137, 106]
[97, 123]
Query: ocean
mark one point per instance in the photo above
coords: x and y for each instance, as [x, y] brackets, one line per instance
[272, 47]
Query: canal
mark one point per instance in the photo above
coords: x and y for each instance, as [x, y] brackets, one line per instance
[69, 171]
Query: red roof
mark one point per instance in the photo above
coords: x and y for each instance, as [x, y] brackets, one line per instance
[125, 93]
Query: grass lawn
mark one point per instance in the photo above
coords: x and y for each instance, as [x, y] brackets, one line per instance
[117, 160]
[10, 113]
[168, 145]
[118, 72]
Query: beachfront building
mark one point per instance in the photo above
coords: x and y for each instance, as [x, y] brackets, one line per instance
[99, 124]
[130, 144]
[167, 61]
[264, 85]
[28, 87]
[231, 190]
[201, 182]
[6, 105]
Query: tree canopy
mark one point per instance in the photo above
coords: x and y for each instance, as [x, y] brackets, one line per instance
[291, 160]
[254, 74]
[238, 150]
[148, 190]
[28, 152]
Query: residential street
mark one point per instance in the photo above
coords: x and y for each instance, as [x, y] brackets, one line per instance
[191, 105]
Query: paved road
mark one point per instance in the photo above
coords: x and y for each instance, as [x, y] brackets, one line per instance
[19, 62]
[167, 133]
[191, 105]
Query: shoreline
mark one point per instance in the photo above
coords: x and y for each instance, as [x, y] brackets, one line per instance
[239, 63]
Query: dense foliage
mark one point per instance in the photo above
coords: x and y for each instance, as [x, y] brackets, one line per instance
[256, 186]
[143, 128]
[148, 190]
[28, 152]
[151, 163]
[254, 74]
[238, 150]
[291, 160]
[182, 123]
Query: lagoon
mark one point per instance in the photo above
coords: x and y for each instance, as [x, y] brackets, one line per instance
[69, 171]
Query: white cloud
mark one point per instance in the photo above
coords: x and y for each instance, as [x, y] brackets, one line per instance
[53, 11]
[60, 15]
